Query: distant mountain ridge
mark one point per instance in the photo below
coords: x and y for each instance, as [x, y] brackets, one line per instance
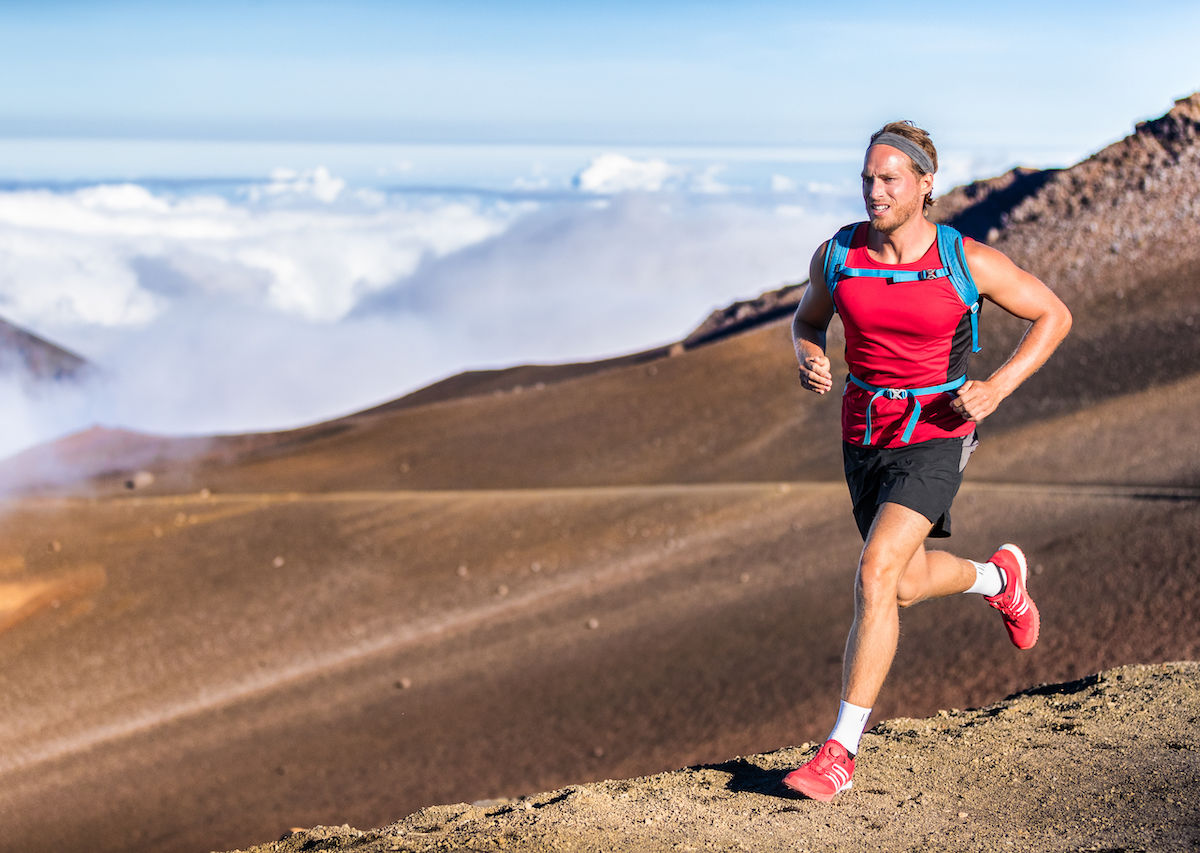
[1137, 199]
[34, 358]
[980, 209]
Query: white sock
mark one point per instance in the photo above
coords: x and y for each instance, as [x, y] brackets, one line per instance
[989, 580]
[851, 722]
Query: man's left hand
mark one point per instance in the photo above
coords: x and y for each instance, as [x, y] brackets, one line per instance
[976, 399]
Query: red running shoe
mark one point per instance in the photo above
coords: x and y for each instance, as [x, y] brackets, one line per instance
[1021, 618]
[826, 774]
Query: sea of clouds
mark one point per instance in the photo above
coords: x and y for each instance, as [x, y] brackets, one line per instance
[216, 304]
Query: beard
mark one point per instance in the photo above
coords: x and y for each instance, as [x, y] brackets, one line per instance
[896, 216]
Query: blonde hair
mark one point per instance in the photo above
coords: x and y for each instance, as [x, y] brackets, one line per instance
[918, 137]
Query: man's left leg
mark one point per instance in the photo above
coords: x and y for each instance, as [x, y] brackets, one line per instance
[894, 543]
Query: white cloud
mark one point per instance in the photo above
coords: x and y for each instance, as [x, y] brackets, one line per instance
[54, 283]
[586, 281]
[316, 183]
[782, 184]
[707, 182]
[827, 189]
[269, 309]
[121, 198]
[103, 255]
[31, 416]
[616, 173]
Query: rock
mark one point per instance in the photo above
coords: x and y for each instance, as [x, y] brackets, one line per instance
[140, 480]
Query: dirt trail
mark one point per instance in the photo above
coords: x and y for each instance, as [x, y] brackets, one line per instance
[1123, 490]
[1109, 762]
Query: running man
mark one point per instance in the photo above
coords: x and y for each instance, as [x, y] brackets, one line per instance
[909, 415]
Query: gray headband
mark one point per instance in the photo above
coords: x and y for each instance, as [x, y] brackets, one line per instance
[916, 153]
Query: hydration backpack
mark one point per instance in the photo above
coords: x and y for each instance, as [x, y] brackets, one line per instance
[954, 265]
[950, 252]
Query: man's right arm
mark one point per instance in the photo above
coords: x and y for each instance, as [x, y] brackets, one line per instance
[809, 325]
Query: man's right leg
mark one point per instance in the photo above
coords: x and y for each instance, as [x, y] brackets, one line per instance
[895, 542]
[937, 574]
[1002, 581]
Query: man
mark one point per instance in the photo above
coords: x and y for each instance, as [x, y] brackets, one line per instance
[909, 416]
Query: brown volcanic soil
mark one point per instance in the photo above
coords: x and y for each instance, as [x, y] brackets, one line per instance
[1109, 762]
[607, 572]
[224, 668]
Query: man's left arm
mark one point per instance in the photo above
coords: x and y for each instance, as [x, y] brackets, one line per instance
[1022, 295]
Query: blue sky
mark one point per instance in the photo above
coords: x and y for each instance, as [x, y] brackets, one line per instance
[187, 197]
[1071, 74]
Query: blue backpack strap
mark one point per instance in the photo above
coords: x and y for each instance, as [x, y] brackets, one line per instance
[902, 394]
[954, 259]
[836, 269]
[894, 275]
[835, 256]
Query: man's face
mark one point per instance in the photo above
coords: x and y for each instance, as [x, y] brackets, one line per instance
[891, 189]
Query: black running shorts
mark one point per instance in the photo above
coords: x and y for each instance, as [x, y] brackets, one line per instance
[923, 477]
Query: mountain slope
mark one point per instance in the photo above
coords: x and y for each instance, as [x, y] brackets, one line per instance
[1108, 762]
[1118, 236]
[225, 666]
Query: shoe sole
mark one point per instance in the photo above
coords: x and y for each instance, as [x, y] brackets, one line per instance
[820, 796]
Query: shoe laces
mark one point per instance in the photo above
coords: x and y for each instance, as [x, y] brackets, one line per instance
[827, 757]
[1014, 604]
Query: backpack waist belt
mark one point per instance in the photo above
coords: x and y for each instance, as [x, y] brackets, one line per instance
[901, 394]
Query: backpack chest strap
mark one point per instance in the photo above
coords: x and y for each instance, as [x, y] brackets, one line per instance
[895, 275]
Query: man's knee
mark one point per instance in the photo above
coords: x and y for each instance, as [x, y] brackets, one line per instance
[886, 578]
[890, 569]
[878, 580]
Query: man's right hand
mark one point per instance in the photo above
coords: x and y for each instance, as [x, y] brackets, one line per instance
[815, 374]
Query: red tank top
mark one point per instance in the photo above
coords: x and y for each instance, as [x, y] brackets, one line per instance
[901, 335]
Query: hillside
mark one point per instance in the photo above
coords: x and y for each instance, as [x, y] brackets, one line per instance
[1116, 235]
[1108, 762]
[523, 580]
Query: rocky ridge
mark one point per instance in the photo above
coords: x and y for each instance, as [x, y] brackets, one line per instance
[1138, 200]
[1108, 762]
